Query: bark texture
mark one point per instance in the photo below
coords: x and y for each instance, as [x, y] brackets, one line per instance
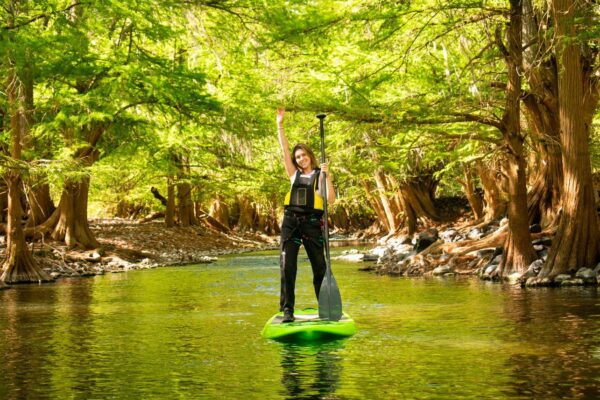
[575, 244]
[220, 211]
[73, 228]
[19, 265]
[492, 182]
[518, 250]
[475, 201]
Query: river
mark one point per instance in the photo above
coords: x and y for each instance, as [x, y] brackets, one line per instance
[193, 332]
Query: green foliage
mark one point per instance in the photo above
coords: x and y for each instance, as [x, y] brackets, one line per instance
[201, 80]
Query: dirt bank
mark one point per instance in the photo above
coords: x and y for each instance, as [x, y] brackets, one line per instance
[126, 245]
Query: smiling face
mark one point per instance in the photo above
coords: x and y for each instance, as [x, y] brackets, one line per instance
[303, 160]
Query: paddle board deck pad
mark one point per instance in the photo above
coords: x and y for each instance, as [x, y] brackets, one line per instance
[307, 326]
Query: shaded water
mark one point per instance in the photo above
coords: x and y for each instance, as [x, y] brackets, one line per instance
[194, 332]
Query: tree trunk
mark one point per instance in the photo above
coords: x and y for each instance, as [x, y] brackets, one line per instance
[73, 227]
[40, 203]
[469, 187]
[246, 220]
[170, 205]
[409, 214]
[340, 218]
[19, 265]
[518, 250]
[185, 205]
[417, 198]
[390, 215]
[575, 244]
[541, 110]
[377, 207]
[419, 193]
[494, 205]
[3, 201]
[219, 211]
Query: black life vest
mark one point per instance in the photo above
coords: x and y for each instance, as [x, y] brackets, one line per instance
[303, 196]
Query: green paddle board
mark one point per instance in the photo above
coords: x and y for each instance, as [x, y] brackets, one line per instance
[308, 327]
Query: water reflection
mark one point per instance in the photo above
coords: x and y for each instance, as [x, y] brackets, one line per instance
[37, 322]
[193, 332]
[557, 339]
[311, 371]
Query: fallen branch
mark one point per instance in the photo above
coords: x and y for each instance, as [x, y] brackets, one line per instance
[151, 217]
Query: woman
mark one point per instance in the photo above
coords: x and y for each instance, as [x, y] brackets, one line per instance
[302, 217]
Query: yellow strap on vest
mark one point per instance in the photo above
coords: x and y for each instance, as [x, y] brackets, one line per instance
[318, 198]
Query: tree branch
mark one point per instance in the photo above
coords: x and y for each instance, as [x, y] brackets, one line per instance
[40, 16]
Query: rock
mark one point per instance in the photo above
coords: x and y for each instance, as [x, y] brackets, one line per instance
[441, 270]
[445, 257]
[403, 249]
[547, 242]
[534, 269]
[405, 240]
[531, 281]
[538, 247]
[562, 277]
[351, 251]
[497, 259]
[370, 257]
[381, 251]
[459, 238]
[514, 278]
[449, 235]
[367, 268]
[350, 257]
[587, 274]
[207, 260]
[484, 252]
[490, 269]
[535, 228]
[475, 234]
[572, 282]
[93, 257]
[426, 239]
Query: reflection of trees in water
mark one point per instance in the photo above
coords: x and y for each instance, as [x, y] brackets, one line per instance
[25, 337]
[560, 328]
[311, 371]
[34, 321]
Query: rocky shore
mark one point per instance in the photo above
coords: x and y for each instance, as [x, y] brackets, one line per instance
[127, 245]
[424, 255]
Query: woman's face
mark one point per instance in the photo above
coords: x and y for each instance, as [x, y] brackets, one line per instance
[302, 159]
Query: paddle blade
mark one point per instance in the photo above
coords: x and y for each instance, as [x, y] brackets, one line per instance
[330, 300]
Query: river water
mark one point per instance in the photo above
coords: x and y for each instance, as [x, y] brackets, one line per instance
[193, 332]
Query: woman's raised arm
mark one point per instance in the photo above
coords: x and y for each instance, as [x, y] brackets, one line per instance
[283, 143]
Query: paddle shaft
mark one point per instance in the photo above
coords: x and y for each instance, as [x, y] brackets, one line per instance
[325, 214]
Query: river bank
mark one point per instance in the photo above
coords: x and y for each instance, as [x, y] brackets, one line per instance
[127, 245]
[468, 250]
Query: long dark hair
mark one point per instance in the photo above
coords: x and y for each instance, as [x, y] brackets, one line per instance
[308, 151]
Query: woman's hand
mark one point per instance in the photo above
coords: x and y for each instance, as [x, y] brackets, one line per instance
[280, 115]
[330, 189]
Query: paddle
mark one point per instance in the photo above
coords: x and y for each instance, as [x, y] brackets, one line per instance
[330, 300]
